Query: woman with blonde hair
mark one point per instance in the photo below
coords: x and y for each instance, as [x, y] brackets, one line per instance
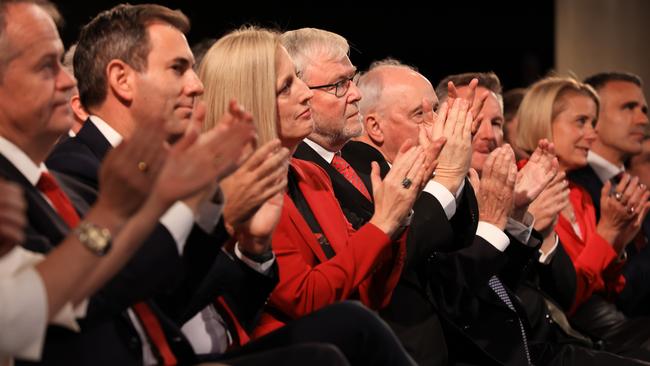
[321, 259]
[564, 111]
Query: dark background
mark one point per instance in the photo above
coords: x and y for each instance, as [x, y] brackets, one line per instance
[515, 40]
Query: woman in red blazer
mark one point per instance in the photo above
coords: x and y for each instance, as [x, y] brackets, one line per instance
[251, 66]
[565, 111]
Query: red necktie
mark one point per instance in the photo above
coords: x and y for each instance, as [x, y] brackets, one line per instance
[58, 198]
[346, 170]
[237, 331]
[156, 335]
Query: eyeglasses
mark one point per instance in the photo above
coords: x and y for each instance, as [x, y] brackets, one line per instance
[340, 88]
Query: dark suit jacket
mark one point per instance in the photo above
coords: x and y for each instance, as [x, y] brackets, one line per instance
[439, 279]
[188, 283]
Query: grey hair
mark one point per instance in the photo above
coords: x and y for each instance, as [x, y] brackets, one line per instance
[306, 43]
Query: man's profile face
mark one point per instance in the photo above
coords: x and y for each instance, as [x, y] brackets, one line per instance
[623, 117]
[336, 119]
[167, 88]
[35, 88]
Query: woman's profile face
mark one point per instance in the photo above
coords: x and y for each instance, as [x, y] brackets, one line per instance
[293, 95]
[573, 130]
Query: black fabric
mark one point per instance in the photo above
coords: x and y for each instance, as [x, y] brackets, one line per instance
[358, 333]
[313, 354]
[303, 206]
[601, 319]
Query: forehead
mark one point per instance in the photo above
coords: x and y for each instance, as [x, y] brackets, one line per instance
[167, 42]
[406, 87]
[30, 32]
[619, 89]
[577, 103]
[324, 70]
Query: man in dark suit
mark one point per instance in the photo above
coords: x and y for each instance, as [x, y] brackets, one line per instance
[622, 120]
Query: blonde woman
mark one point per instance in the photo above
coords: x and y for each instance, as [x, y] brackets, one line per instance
[564, 111]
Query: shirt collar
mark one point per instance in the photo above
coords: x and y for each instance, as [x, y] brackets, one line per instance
[21, 161]
[603, 168]
[113, 137]
[324, 153]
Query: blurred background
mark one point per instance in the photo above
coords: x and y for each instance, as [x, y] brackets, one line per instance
[520, 41]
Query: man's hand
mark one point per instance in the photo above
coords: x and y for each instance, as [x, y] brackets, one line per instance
[395, 195]
[454, 160]
[254, 236]
[195, 163]
[495, 196]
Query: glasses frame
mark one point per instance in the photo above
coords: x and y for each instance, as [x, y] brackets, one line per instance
[341, 84]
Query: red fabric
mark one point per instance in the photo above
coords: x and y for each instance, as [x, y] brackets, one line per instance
[155, 333]
[367, 264]
[593, 257]
[235, 328]
[346, 170]
[59, 199]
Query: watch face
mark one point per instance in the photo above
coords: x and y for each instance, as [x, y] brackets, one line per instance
[95, 238]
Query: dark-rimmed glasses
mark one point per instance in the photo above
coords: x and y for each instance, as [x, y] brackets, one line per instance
[340, 88]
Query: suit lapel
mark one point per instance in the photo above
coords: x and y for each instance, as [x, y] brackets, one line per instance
[93, 138]
[303, 228]
[40, 214]
[342, 187]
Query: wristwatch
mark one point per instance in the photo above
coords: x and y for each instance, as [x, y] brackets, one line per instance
[96, 239]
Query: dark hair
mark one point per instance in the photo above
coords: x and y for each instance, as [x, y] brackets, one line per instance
[488, 80]
[599, 80]
[119, 33]
[511, 101]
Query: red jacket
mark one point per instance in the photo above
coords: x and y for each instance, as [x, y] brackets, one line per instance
[594, 258]
[367, 264]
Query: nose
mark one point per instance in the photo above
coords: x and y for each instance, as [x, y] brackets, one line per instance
[304, 93]
[641, 117]
[65, 80]
[485, 131]
[194, 85]
[354, 93]
[590, 133]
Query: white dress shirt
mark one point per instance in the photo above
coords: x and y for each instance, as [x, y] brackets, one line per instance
[23, 300]
[603, 168]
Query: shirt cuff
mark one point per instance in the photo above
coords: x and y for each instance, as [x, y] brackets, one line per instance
[443, 195]
[24, 312]
[178, 220]
[208, 215]
[68, 315]
[263, 268]
[493, 235]
[548, 257]
[521, 230]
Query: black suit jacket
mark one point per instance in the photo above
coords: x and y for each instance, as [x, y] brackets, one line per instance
[181, 285]
[440, 283]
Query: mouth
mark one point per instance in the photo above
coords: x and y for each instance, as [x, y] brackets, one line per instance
[306, 114]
